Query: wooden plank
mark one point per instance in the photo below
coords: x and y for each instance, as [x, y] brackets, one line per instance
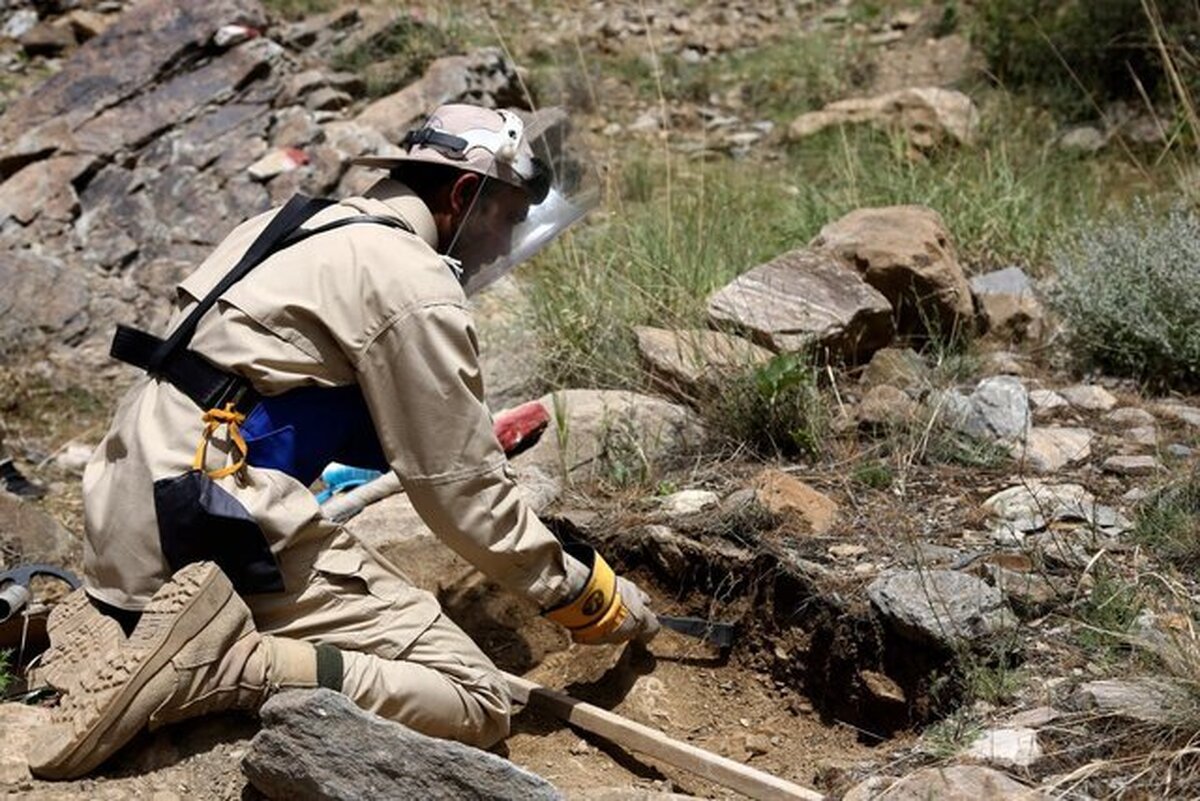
[652, 742]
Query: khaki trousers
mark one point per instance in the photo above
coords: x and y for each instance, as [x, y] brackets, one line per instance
[403, 658]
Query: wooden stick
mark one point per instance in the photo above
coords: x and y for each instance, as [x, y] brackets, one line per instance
[653, 743]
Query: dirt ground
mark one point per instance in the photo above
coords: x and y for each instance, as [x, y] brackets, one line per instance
[689, 690]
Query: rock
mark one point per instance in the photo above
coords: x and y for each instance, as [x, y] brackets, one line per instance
[483, 77]
[1147, 699]
[47, 40]
[1002, 362]
[1058, 550]
[929, 116]
[1038, 716]
[847, 550]
[1085, 138]
[328, 99]
[688, 502]
[87, 24]
[1142, 436]
[1179, 450]
[18, 722]
[998, 409]
[941, 607]
[609, 430]
[1007, 747]
[28, 192]
[1034, 505]
[882, 687]
[19, 23]
[134, 122]
[1189, 415]
[1007, 304]
[1130, 416]
[28, 534]
[952, 783]
[44, 300]
[884, 407]
[907, 254]
[318, 744]
[123, 62]
[695, 364]
[1089, 397]
[1132, 465]
[1047, 400]
[306, 32]
[1048, 449]
[284, 159]
[1029, 593]
[898, 367]
[804, 299]
[787, 496]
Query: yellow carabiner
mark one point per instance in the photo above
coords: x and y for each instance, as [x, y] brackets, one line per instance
[214, 419]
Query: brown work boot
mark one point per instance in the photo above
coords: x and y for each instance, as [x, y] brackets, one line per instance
[194, 650]
[80, 636]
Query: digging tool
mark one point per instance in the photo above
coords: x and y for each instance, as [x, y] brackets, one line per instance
[719, 634]
[654, 743]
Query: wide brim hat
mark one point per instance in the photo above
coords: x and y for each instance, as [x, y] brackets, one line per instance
[491, 142]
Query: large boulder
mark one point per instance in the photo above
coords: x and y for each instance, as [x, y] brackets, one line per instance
[907, 254]
[804, 299]
[940, 607]
[928, 115]
[606, 433]
[692, 364]
[317, 744]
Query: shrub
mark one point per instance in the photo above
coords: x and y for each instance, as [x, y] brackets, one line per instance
[1078, 52]
[1129, 292]
[776, 410]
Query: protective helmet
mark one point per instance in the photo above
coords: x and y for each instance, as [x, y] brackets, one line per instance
[498, 145]
[491, 142]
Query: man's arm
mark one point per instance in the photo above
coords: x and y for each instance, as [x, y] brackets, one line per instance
[421, 379]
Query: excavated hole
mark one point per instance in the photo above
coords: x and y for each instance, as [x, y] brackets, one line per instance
[816, 639]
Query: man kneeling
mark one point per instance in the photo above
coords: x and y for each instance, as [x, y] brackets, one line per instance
[315, 333]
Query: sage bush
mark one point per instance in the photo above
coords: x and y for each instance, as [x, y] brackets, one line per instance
[1128, 291]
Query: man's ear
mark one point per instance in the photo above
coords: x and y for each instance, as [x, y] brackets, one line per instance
[462, 192]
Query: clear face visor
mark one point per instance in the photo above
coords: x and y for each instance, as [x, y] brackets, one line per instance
[542, 225]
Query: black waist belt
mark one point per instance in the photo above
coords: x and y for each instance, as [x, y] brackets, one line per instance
[208, 385]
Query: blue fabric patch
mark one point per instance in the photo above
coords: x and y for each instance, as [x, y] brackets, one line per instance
[302, 430]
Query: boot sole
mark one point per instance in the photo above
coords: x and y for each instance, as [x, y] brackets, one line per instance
[80, 636]
[97, 719]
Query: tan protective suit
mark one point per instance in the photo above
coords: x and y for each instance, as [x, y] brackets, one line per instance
[366, 305]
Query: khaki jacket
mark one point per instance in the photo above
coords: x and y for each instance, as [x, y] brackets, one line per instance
[362, 304]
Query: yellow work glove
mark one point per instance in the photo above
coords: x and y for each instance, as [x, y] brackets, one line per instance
[608, 609]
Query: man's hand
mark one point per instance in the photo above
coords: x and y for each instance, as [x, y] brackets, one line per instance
[608, 609]
[640, 622]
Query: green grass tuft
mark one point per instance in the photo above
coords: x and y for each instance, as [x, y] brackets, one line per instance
[1168, 523]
